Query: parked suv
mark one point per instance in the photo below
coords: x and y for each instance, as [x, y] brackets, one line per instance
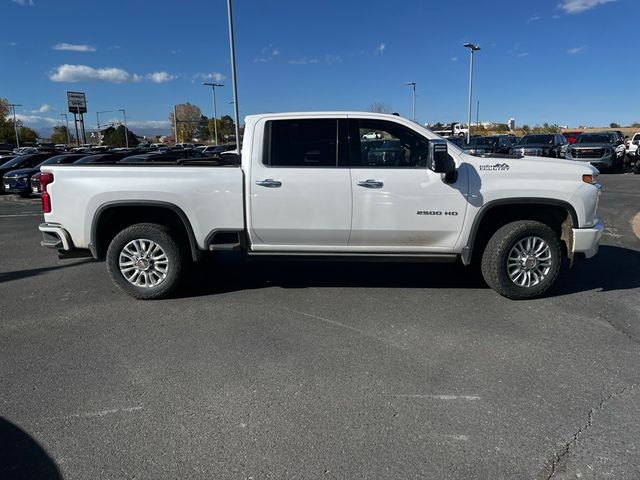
[541, 145]
[599, 149]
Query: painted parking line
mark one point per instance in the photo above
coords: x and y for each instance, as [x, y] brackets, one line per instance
[21, 215]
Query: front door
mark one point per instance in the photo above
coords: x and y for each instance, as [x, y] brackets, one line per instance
[399, 204]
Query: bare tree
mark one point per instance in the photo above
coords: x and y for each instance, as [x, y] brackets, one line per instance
[188, 120]
[379, 107]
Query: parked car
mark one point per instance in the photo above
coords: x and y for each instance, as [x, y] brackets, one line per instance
[22, 161]
[632, 145]
[371, 136]
[102, 158]
[572, 135]
[481, 145]
[540, 145]
[215, 149]
[295, 194]
[19, 181]
[600, 149]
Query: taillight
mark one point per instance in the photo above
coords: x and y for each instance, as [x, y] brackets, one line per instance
[45, 179]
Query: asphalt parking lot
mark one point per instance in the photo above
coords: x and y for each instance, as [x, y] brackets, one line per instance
[320, 370]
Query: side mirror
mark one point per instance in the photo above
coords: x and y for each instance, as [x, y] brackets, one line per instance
[439, 159]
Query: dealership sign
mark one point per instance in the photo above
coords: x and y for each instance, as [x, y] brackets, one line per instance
[77, 102]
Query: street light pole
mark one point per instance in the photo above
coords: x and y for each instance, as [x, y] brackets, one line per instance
[15, 125]
[215, 112]
[232, 52]
[68, 134]
[126, 132]
[472, 48]
[413, 96]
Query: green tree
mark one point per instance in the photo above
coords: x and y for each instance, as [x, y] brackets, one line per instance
[59, 135]
[614, 125]
[188, 119]
[203, 129]
[115, 137]
[226, 128]
[26, 134]
[635, 125]
[526, 128]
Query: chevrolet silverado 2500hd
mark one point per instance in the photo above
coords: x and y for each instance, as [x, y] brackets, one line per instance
[319, 185]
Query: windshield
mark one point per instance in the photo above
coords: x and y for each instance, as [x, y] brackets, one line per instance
[536, 139]
[12, 163]
[484, 141]
[595, 138]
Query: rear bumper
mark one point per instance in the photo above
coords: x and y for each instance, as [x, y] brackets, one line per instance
[587, 240]
[55, 236]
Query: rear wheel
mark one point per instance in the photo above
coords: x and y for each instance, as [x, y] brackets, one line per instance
[145, 261]
[522, 259]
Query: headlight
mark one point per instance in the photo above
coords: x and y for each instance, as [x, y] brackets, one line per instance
[591, 178]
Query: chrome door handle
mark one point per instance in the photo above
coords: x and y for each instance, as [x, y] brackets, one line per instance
[370, 184]
[270, 183]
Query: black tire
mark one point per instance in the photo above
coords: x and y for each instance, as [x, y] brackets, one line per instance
[495, 257]
[161, 236]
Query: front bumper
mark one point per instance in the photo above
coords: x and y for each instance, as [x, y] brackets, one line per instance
[55, 236]
[587, 240]
[13, 185]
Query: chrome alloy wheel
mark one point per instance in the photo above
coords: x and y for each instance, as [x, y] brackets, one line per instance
[529, 262]
[143, 263]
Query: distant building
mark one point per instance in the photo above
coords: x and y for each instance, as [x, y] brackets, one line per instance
[512, 124]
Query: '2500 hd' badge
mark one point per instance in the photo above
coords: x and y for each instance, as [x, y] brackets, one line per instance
[435, 212]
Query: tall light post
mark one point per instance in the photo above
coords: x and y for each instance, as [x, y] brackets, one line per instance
[472, 48]
[413, 97]
[126, 132]
[215, 112]
[68, 134]
[15, 125]
[232, 53]
[98, 122]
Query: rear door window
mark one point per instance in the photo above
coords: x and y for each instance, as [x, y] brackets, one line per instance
[301, 143]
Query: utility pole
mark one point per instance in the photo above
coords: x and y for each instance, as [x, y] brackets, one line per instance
[15, 125]
[413, 96]
[215, 112]
[126, 132]
[472, 48]
[68, 134]
[478, 115]
[232, 52]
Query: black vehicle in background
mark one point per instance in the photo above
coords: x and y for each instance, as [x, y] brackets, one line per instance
[102, 158]
[541, 145]
[23, 161]
[19, 181]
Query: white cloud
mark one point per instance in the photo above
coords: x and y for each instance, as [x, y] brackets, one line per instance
[579, 6]
[84, 73]
[13, 44]
[37, 121]
[534, 18]
[576, 50]
[43, 109]
[159, 77]
[381, 48]
[215, 76]
[74, 47]
[454, 59]
[267, 54]
[24, 3]
[523, 54]
[303, 61]
[149, 123]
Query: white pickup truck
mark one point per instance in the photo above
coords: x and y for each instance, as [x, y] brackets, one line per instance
[309, 185]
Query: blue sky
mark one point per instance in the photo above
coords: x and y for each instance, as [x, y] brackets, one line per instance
[559, 61]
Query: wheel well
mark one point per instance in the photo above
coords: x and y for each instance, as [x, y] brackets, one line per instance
[111, 220]
[557, 217]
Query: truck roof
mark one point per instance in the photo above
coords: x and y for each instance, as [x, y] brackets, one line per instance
[326, 114]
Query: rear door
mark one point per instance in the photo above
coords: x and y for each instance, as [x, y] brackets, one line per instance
[300, 199]
[398, 204]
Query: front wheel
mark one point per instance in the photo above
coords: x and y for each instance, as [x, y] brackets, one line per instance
[145, 261]
[522, 259]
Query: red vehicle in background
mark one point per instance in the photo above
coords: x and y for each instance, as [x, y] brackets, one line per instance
[571, 136]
